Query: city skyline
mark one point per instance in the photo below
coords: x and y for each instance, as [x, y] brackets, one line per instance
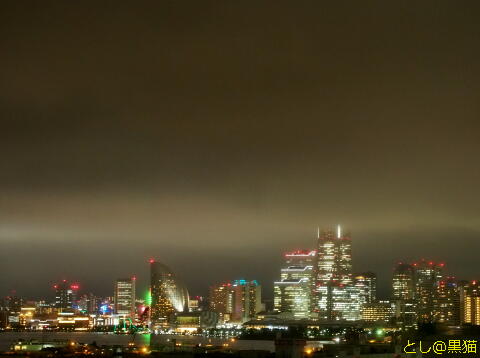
[383, 287]
[221, 134]
[315, 286]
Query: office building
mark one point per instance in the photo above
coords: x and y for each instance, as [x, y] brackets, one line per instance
[427, 275]
[470, 303]
[294, 296]
[334, 295]
[247, 300]
[381, 311]
[294, 290]
[403, 282]
[300, 258]
[367, 285]
[168, 294]
[447, 302]
[221, 300]
[65, 295]
[124, 297]
[334, 257]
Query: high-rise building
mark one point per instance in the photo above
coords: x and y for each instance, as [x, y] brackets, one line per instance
[65, 295]
[367, 284]
[221, 300]
[300, 258]
[335, 297]
[447, 302]
[247, 300]
[381, 311]
[470, 303]
[168, 294]
[294, 296]
[124, 297]
[88, 303]
[403, 283]
[428, 275]
[334, 257]
[294, 290]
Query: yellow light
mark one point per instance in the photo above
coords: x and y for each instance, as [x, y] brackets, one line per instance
[308, 351]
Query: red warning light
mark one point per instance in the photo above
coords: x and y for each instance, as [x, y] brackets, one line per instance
[151, 261]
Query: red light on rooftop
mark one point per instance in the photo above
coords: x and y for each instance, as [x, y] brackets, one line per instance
[151, 261]
[55, 286]
[430, 263]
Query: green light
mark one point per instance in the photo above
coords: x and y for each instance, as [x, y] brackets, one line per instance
[148, 298]
[379, 331]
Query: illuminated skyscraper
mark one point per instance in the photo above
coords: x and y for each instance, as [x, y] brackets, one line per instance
[335, 297]
[403, 295]
[124, 297]
[470, 303]
[300, 258]
[247, 300]
[221, 300]
[428, 275]
[294, 290]
[367, 284]
[65, 295]
[334, 258]
[168, 294]
[403, 283]
[381, 311]
[447, 302]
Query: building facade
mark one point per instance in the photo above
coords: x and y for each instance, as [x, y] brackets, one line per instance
[428, 276]
[247, 300]
[334, 295]
[65, 295]
[124, 297]
[293, 292]
[168, 294]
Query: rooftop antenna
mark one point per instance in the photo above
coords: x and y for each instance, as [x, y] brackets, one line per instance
[318, 232]
[339, 232]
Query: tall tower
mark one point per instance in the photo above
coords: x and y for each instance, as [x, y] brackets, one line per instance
[470, 303]
[335, 298]
[403, 282]
[247, 300]
[124, 297]
[221, 300]
[367, 284]
[65, 295]
[447, 302]
[334, 257]
[294, 290]
[428, 275]
[168, 294]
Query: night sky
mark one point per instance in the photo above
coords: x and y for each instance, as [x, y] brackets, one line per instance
[213, 136]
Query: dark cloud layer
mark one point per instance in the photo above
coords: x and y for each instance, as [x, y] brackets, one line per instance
[215, 135]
